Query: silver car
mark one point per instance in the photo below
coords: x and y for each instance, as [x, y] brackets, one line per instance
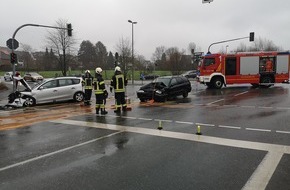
[8, 76]
[54, 90]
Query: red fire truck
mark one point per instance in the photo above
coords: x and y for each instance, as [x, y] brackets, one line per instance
[256, 68]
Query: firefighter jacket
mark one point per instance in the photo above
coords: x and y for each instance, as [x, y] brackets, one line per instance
[118, 82]
[99, 84]
[88, 81]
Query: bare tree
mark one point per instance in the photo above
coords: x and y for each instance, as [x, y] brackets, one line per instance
[28, 58]
[124, 50]
[175, 60]
[259, 44]
[158, 57]
[61, 44]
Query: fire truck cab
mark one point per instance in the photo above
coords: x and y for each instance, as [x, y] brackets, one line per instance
[257, 68]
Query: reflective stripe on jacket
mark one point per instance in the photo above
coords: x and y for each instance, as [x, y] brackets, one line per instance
[88, 83]
[118, 82]
[99, 85]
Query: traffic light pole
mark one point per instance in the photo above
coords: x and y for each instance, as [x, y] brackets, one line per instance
[251, 37]
[36, 25]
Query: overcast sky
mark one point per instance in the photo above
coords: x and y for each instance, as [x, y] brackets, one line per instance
[169, 23]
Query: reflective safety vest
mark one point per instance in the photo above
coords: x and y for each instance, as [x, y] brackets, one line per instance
[88, 83]
[99, 86]
[120, 83]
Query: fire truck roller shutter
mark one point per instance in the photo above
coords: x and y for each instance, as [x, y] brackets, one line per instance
[282, 64]
[249, 65]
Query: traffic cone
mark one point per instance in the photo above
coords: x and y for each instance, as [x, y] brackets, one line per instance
[128, 102]
[160, 125]
[198, 131]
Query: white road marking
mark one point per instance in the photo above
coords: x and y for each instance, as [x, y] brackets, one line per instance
[285, 132]
[163, 120]
[259, 179]
[146, 119]
[129, 117]
[228, 105]
[205, 124]
[265, 107]
[215, 101]
[230, 127]
[262, 175]
[241, 93]
[178, 135]
[56, 152]
[283, 108]
[113, 115]
[184, 122]
[254, 129]
[247, 106]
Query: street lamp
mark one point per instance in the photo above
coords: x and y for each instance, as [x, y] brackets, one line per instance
[132, 49]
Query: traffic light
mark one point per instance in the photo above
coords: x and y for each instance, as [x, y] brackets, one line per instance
[252, 36]
[13, 58]
[207, 1]
[69, 29]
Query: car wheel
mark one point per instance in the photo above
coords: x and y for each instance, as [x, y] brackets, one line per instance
[79, 96]
[29, 101]
[185, 94]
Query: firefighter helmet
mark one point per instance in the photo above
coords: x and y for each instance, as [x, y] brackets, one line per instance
[98, 70]
[117, 68]
[88, 71]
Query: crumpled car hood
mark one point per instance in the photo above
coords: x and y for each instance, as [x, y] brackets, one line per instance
[153, 85]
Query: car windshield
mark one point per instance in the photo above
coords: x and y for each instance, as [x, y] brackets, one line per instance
[163, 80]
[39, 83]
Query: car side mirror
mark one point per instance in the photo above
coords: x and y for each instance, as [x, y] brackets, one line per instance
[41, 88]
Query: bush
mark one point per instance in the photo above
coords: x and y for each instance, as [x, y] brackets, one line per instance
[3, 86]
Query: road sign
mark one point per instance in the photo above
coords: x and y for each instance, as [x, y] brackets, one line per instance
[15, 43]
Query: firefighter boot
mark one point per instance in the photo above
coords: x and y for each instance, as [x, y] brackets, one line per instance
[103, 111]
[97, 110]
[118, 110]
[124, 108]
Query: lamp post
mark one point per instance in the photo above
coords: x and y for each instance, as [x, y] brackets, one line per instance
[132, 49]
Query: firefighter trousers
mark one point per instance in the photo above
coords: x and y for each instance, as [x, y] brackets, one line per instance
[120, 101]
[88, 95]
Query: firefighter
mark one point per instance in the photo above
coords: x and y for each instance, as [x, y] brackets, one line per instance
[100, 92]
[118, 83]
[269, 65]
[88, 86]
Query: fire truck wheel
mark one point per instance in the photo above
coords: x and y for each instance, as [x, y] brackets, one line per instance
[218, 82]
[266, 80]
[255, 85]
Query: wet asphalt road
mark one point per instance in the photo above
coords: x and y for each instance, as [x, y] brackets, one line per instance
[245, 143]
